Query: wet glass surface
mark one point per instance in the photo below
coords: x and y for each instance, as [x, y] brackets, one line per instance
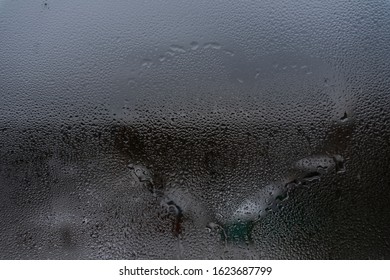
[194, 129]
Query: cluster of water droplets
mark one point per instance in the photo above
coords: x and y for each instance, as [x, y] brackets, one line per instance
[179, 202]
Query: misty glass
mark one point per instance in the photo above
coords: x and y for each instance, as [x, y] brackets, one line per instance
[194, 129]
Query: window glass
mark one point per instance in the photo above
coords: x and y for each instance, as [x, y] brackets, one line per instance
[194, 129]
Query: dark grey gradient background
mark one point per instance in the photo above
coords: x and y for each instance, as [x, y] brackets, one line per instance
[253, 129]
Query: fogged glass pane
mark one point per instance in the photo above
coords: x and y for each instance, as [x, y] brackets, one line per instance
[194, 129]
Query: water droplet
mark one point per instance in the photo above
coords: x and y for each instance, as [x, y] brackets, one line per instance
[212, 45]
[169, 53]
[141, 173]
[213, 226]
[311, 177]
[344, 118]
[194, 45]
[131, 82]
[178, 49]
[229, 53]
[340, 164]
[147, 63]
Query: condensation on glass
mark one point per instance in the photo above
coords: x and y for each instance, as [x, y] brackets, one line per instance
[194, 129]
